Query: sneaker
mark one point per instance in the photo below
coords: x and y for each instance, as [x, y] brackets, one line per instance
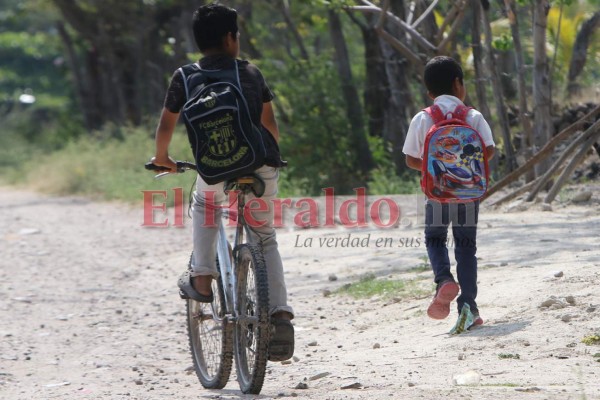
[440, 306]
[281, 346]
[477, 320]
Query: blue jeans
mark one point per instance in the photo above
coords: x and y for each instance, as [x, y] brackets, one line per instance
[463, 217]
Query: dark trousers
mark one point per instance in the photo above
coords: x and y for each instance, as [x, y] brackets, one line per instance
[463, 218]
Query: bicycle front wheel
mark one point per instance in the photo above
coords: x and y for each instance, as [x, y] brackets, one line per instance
[252, 328]
[211, 339]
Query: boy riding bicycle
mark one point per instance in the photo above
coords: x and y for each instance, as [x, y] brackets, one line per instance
[217, 36]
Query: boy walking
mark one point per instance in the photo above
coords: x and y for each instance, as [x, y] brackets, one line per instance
[443, 79]
[216, 34]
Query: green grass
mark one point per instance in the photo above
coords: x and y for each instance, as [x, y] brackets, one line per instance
[106, 165]
[106, 168]
[591, 340]
[369, 286]
[385, 181]
[422, 267]
[508, 384]
[504, 356]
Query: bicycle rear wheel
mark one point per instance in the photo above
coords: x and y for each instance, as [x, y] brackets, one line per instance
[211, 339]
[252, 329]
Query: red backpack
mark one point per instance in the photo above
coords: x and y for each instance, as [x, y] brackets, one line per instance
[455, 167]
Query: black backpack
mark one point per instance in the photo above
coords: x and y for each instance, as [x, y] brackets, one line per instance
[225, 142]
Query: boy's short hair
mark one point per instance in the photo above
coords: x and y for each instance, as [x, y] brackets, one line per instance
[440, 73]
[211, 23]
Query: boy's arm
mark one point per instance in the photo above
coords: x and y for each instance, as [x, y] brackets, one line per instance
[414, 163]
[481, 125]
[412, 148]
[490, 152]
[267, 119]
[164, 133]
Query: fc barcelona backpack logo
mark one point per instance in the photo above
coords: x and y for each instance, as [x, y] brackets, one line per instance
[225, 142]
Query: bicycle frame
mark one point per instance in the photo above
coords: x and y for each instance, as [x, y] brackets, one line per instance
[226, 266]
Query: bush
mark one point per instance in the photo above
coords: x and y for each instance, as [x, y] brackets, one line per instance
[384, 181]
[107, 168]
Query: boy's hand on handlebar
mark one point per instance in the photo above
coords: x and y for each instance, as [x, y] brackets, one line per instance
[166, 162]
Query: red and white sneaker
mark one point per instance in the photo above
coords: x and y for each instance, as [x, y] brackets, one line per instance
[440, 306]
[477, 320]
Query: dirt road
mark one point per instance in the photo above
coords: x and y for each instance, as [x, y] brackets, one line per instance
[89, 309]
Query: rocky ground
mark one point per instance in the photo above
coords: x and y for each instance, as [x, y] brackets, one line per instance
[89, 309]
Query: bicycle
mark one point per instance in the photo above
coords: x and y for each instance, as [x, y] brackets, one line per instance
[237, 323]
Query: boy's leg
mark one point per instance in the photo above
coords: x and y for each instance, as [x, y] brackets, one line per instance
[266, 233]
[436, 236]
[436, 233]
[207, 202]
[281, 346]
[464, 229]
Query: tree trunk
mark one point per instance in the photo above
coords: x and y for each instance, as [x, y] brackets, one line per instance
[541, 83]
[123, 45]
[376, 96]
[387, 97]
[527, 135]
[478, 56]
[400, 106]
[245, 21]
[90, 121]
[498, 98]
[428, 27]
[354, 112]
[582, 42]
[285, 11]
[400, 102]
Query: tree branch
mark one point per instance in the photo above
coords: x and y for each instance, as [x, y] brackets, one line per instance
[545, 152]
[426, 13]
[418, 38]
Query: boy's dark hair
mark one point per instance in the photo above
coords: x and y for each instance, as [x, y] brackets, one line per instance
[440, 73]
[211, 23]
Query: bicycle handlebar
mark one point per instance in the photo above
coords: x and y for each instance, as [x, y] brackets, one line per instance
[182, 166]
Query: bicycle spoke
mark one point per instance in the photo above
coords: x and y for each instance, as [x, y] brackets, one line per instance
[252, 323]
[210, 340]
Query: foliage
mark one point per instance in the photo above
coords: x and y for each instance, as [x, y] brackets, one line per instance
[102, 166]
[385, 181]
[591, 340]
[503, 43]
[46, 141]
[370, 286]
[314, 120]
[563, 44]
[504, 356]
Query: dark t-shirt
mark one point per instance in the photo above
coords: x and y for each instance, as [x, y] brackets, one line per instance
[254, 89]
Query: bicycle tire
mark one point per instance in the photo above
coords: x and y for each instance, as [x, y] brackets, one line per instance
[210, 340]
[251, 340]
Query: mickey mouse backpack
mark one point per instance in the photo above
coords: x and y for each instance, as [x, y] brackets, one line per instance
[455, 168]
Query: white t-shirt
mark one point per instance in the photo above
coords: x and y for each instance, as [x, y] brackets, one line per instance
[422, 122]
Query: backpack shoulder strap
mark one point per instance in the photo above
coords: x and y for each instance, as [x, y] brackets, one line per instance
[435, 113]
[461, 112]
[186, 72]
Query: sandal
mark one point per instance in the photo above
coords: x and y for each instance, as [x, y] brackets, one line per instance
[281, 346]
[187, 291]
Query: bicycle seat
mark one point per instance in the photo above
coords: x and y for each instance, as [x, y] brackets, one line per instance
[246, 183]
